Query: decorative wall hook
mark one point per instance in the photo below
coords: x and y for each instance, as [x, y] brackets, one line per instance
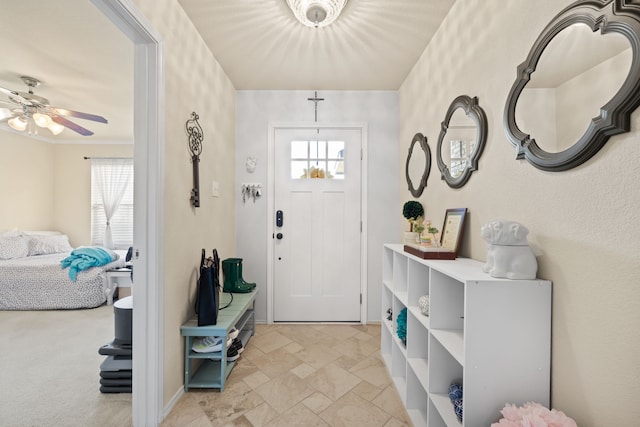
[251, 191]
[195, 134]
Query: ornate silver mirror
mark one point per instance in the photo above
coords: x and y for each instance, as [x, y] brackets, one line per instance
[578, 86]
[418, 165]
[463, 135]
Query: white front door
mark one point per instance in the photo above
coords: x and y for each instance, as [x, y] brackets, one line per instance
[317, 225]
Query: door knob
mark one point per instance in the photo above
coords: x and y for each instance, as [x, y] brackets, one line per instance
[279, 236]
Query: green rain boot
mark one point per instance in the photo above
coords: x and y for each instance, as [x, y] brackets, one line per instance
[233, 282]
[251, 285]
[236, 282]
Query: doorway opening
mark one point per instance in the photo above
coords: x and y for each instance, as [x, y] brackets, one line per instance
[147, 396]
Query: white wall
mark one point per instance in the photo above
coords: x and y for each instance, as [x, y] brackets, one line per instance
[583, 221]
[255, 109]
[26, 187]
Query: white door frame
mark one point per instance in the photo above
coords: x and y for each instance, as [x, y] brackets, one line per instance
[148, 327]
[362, 127]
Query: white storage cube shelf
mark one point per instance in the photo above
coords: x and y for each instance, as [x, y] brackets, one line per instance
[491, 335]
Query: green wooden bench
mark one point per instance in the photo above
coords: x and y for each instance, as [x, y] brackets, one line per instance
[213, 368]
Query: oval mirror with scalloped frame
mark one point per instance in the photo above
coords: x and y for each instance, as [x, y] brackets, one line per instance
[463, 135]
[578, 86]
[418, 165]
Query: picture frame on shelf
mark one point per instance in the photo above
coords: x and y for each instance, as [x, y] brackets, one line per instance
[450, 238]
[453, 229]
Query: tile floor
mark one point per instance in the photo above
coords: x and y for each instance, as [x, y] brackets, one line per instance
[300, 375]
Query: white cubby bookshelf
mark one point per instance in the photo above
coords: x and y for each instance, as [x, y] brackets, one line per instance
[491, 335]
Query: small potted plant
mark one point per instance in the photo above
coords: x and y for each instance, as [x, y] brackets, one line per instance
[417, 225]
[432, 230]
[411, 211]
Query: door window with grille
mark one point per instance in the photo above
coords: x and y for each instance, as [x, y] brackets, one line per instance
[317, 159]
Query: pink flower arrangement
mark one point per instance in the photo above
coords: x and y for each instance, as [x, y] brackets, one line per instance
[533, 415]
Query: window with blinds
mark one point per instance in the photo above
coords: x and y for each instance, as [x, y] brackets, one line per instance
[122, 221]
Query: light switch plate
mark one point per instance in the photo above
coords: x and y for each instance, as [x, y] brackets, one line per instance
[215, 189]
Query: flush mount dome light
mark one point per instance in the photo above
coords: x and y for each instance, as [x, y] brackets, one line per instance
[316, 13]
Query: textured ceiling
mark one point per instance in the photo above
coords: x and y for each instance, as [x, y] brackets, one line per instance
[372, 46]
[86, 64]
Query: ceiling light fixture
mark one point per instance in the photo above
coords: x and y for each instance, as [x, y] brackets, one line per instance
[31, 121]
[316, 13]
[34, 111]
[55, 128]
[42, 120]
[18, 123]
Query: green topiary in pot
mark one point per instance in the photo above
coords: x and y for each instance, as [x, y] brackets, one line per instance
[412, 210]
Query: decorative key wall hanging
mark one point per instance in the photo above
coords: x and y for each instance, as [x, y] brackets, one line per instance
[195, 134]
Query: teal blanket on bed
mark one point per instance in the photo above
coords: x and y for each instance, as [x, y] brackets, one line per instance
[86, 257]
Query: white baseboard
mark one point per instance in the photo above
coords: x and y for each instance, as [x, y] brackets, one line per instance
[172, 403]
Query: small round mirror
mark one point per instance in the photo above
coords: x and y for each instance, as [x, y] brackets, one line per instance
[418, 165]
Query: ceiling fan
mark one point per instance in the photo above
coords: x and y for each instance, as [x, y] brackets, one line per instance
[31, 111]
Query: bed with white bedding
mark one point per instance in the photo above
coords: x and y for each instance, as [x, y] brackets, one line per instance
[38, 282]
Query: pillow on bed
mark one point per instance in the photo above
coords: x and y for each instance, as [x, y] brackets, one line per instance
[11, 233]
[39, 233]
[45, 245]
[13, 247]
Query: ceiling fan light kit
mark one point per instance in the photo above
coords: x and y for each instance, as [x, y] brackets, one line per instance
[21, 123]
[316, 13]
[32, 111]
[18, 123]
[42, 120]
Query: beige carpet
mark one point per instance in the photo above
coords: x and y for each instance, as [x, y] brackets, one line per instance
[50, 370]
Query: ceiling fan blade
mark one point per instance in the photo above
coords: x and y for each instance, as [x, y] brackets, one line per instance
[73, 126]
[78, 114]
[9, 92]
[6, 114]
[20, 97]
